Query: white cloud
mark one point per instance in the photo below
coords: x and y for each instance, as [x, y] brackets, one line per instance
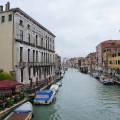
[79, 25]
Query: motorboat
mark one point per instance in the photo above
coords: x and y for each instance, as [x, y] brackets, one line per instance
[23, 112]
[106, 80]
[44, 97]
[95, 75]
[59, 83]
[54, 87]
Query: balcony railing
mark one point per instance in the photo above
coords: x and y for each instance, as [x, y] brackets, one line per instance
[39, 64]
[34, 45]
[22, 64]
[33, 64]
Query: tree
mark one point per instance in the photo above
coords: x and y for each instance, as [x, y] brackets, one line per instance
[1, 70]
[5, 76]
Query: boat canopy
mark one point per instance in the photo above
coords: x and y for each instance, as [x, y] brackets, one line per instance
[44, 92]
[43, 95]
[26, 107]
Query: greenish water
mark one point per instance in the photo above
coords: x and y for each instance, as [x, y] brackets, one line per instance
[82, 97]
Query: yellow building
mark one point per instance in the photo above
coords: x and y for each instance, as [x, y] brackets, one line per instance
[114, 60]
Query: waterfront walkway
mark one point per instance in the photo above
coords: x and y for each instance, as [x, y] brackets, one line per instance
[6, 111]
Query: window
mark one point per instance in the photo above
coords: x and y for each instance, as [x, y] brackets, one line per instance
[21, 35]
[28, 55]
[46, 44]
[21, 54]
[28, 37]
[39, 73]
[21, 75]
[10, 17]
[3, 19]
[33, 55]
[36, 56]
[21, 23]
[116, 61]
[41, 42]
[34, 71]
[42, 57]
[119, 54]
[119, 62]
[110, 62]
[36, 40]
[29, 72]
[28, 26]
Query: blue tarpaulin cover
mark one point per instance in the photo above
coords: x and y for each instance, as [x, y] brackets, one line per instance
[40, 95]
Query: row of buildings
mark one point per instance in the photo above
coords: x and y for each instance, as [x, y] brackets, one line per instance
[106, 58]
[27, 49]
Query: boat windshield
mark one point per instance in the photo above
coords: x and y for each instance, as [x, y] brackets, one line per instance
[42, 96]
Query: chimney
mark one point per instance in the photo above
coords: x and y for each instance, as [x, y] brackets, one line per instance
[1, 8]
[7, 6]
[8, 3]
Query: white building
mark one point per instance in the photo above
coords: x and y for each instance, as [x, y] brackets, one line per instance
[27, 49]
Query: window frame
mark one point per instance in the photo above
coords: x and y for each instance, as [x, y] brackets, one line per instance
[2, 19]
[10, 17]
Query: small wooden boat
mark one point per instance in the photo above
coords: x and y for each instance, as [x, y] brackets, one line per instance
[54, 87]
[44, 97]
[23, 112]
[59, 83]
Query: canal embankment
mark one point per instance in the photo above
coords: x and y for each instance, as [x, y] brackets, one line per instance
[28, 97]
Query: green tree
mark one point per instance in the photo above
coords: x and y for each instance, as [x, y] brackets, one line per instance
[5, 76]
[1, 70]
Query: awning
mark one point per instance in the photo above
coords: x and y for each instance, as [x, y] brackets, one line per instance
[5, 84]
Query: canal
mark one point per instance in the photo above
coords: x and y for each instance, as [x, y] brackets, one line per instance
[82, 97]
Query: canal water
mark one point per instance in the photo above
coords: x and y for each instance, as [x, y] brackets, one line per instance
[82, 97]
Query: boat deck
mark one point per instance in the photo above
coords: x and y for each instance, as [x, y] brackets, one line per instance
[20, 116]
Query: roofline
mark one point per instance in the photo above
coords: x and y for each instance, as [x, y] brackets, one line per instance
[29, 17]
[107, 41]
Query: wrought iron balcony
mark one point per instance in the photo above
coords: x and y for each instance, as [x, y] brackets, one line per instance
[22, 64]
[31, 64]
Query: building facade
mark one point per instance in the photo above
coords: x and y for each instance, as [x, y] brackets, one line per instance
[27, 48]
[114, 62]
[91, 61]
[99, 51]
[57, 63]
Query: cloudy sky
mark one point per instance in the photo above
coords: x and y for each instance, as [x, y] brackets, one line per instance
[79, 25]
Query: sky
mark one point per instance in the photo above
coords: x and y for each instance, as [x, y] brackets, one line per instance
[79, 25]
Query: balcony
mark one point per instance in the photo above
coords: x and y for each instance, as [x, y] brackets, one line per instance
[22, 64]
[41, 64]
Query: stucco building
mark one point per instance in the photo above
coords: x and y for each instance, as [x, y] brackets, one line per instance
[27, 48]
[99, 52]
[57, 63]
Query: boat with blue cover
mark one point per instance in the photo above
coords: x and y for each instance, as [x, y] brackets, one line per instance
[44, 97]
[23, 112]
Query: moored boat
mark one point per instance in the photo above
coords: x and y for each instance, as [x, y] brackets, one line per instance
[44, 97]
[95, 75]
[59, 83]
[54, 87]
[23, 112]
[106, 80]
